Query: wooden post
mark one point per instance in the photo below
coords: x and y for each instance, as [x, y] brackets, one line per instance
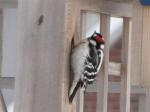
[102, 82]
[145, 78]
[125, 71]
[144, 102]
[145, 60]
[1, 42]
[3, 107]
[147, 101]
[83, 22]
[80, 99]
[8, 3]
[44, 35]
[136, 43]
[7, 82]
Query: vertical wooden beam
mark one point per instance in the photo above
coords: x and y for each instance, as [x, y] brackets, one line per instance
[125, 71]
[136, 43]
[1, 39]
[140, 61]
[145, 78]
[102, 82]
[142, 103]
[80, 99]
[3, 107]
[147, 101]
[83, 22]
[45, 30]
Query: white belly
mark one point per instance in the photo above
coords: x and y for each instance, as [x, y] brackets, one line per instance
[78, 59]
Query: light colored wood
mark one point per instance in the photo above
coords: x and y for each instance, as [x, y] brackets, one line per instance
[145, 72]
[115, 87]
[116, 8]
[7, 82]
[125, 70]
[125, 67]
[80, 99]
[83, 22]
[147, 101]
[1, 39]
[144, 102]
[43, 47]
[140, 61]
[3, 107]
[90, 5]
[81, 34]
[136, 43]
[102, 81]
[8, 3]
[141, 104]
[138, 90]
[109, 7]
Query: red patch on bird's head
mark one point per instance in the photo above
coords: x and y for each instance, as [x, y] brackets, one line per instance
[99, 39]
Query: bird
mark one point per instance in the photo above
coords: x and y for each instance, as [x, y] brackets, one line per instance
[86, 60]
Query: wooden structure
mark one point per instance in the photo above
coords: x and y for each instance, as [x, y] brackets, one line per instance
[45, 31]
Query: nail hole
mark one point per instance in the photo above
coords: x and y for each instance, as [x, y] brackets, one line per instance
[40, 20]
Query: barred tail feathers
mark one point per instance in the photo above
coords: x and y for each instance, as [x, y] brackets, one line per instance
[74, 89]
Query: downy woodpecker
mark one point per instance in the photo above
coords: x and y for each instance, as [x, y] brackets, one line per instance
[86, 60]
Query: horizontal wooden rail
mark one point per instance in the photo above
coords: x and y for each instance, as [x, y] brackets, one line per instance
[114, 87]
[8, 3]
[7, 82]
[119, 9]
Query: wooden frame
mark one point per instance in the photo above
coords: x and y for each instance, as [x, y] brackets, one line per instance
[82, 33]
[125, 71]
[115, 87]
[136, 43]
[144, 102]
[125, 11]
[102, 85]
[104, 8]
[2, 102]
[102, 90]
[107, 7]
[41, 81]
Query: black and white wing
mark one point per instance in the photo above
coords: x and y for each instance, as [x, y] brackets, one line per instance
[78, 58]
[92, 66]
[86, 61]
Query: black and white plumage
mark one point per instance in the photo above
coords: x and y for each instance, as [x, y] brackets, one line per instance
[86, 60]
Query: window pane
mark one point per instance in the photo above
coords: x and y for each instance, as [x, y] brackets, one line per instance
[116, 27]
[116, 33]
